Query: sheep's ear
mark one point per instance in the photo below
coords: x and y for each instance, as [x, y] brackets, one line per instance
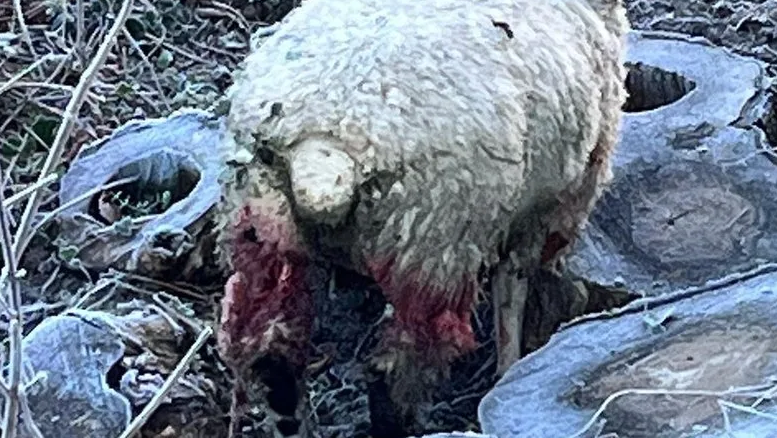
[323, 180]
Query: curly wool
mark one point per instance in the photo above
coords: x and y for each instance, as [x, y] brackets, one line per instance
[466, 130]
[475, 112]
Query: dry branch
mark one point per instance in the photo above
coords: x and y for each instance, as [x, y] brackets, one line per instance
[68, 120]
[158, 398]
[13, 250]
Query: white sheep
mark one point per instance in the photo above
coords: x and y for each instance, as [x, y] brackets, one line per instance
[422, 144]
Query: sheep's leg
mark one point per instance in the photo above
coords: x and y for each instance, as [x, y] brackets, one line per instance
[510, 289]
[509, 292]
[576, 205]
[427, 258]
[430, 328]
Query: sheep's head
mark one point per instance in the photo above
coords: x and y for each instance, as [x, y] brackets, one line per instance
[266, 307]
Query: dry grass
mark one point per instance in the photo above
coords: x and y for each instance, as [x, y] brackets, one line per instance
[67, 77]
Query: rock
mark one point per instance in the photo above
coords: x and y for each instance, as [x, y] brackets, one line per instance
[747, 27]
[73, 354]
[173, 155]
[139, 346]
[687, 223]
[712, 338]
[693, 189]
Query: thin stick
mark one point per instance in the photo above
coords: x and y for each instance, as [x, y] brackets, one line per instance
[79, 46]
[748, 410]
[26, 84]
[768, 395]
[152, 405]
[53, 213]
[11, 411]
[21, 194]
[29, 422]
[68, 120]
[152, 72]
[18, 76]
[17, 4]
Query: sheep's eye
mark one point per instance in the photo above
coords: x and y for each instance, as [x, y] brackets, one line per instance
[250, 235]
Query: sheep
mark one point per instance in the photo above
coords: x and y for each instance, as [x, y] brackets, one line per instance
[421, 144]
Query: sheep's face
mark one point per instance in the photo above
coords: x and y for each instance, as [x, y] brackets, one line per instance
[266, 306]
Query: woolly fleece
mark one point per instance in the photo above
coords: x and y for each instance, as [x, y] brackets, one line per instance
[475, 128]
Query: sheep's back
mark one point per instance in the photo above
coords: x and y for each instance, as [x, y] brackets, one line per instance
[495, 104]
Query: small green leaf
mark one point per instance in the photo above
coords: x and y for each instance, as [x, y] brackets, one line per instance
[165, 59]
[124, 89]
[68, 253]
[124, 226]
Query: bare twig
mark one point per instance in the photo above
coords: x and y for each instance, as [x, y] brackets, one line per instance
[165, 285]
[222, 9]
[17, 4]
[180, 51]
[190, 322]
[27, 191]
[25, 71]
[747, 409]
[68, 120]
[80, 29]
[154, 403]
[151, 70]
[14, 300]
[642, 304]
[59, 87]
[11, 412]
[46, 85]
[97, 288]
[768, 395]
[53, 213]
[29, 422]
[11, 117]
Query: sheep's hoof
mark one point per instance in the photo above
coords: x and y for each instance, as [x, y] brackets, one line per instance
[509, 295]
